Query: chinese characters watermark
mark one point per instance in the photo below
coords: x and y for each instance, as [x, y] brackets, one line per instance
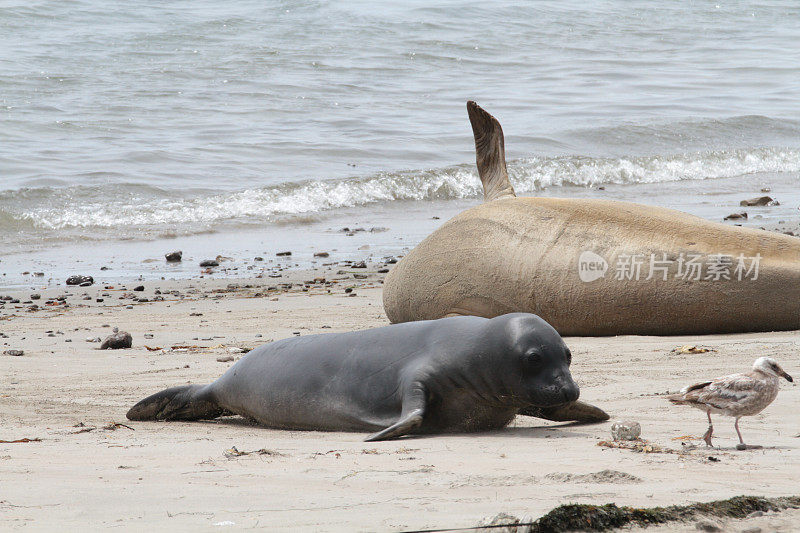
[686, 266]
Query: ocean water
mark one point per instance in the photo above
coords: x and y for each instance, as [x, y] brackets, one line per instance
[241, 128]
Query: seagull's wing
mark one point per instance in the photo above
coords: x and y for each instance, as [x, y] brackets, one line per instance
[688, 395]
[729, 392]
[696, 386]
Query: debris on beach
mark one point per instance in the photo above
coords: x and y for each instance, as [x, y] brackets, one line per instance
[14, 353]
[283, 254]
[20, 441]
[588, 517]
[234, 452]
[691, 348]
[117, 340]
[603, 476]
[209, 263]
[111, 426]
[83, 428]
[174, 257]
[638, 445]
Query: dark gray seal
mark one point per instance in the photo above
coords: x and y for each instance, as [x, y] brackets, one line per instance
[455, 374]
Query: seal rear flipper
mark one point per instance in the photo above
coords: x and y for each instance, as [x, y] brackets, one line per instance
[576, 411]
[188, 402]
[490, 154]
[414, 404]
[404, 426]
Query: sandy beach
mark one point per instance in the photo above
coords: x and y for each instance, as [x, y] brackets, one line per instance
[88, 467]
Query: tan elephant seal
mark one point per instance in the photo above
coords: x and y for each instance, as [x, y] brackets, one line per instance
[594, 267]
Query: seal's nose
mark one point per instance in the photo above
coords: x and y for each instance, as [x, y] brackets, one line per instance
[571, 392]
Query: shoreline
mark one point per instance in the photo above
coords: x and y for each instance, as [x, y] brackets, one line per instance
[361, 233]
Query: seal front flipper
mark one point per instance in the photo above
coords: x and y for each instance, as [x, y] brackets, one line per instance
[576, 411]
[189, 402]
[490, 154]
[410, 417]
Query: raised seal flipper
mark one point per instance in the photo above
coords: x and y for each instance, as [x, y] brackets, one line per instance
[188, 402]
[410, 418]
[490, 154]
[576, 411]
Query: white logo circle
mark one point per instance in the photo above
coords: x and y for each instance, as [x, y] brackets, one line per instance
[591, 266]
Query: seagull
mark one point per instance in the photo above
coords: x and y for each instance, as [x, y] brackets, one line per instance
[736, 395]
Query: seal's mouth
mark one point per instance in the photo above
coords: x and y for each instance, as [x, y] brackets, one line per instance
[555, 396]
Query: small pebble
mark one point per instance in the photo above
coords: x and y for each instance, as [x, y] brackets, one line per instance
[174, 257]
[119, 340]
[706, 524]
[626, 430]
[80, 280]
[15, 353]
[752, 529]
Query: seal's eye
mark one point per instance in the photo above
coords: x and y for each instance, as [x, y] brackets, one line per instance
[568, 354]
[532, 360]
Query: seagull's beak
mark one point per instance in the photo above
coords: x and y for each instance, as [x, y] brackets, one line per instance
[787, 376]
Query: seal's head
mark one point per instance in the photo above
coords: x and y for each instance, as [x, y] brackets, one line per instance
[537, 362]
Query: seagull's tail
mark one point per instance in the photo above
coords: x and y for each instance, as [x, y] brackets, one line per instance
[678, 399]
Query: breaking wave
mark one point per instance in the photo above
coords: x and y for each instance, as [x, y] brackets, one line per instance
[126, 206]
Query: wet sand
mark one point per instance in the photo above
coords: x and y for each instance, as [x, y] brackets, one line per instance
[87, 473]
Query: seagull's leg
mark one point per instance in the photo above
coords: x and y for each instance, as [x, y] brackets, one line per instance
[710, 430]
[741, 445]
